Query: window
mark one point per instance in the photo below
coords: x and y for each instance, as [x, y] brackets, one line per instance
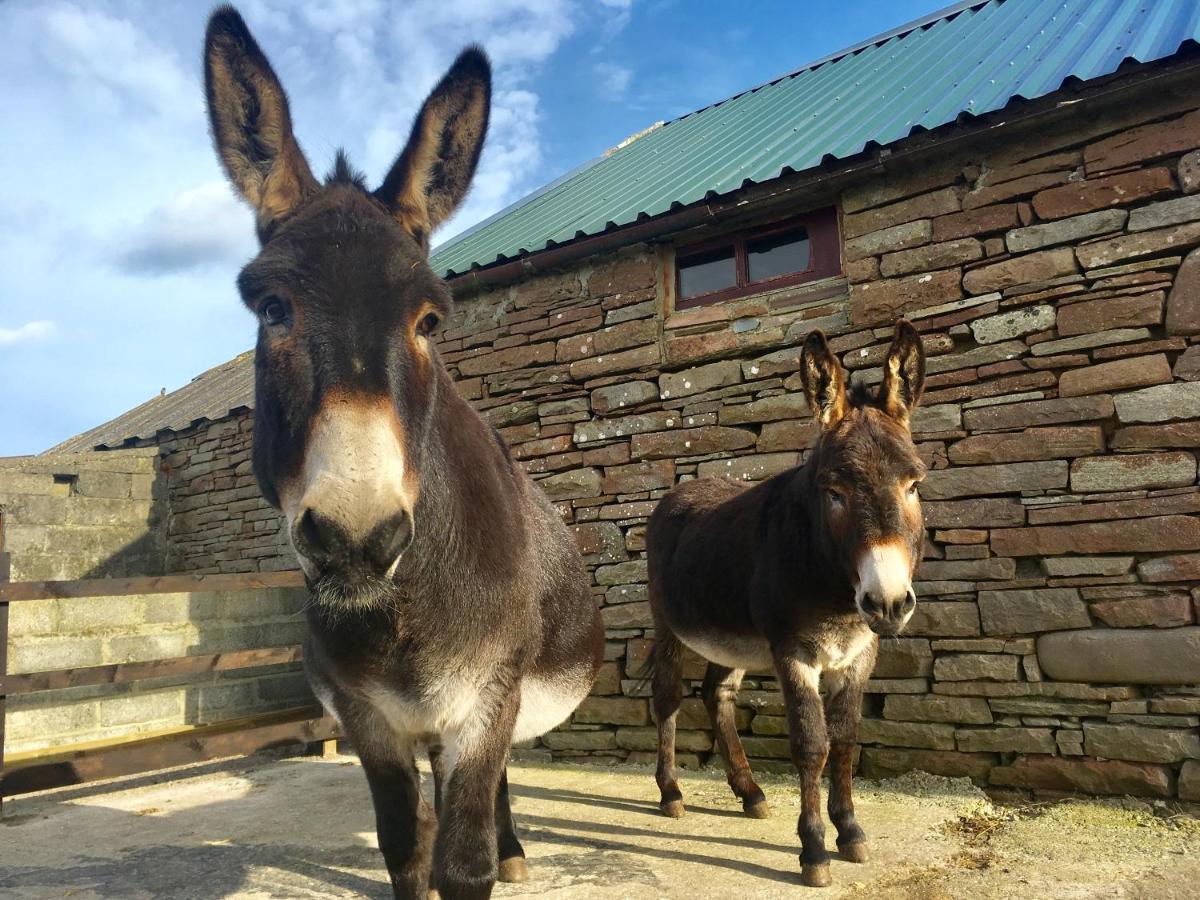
[760, 259]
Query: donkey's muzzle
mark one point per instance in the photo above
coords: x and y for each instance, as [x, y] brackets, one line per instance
[331, 548]
[887, 617]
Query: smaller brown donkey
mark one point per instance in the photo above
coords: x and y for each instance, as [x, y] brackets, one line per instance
[801, 573]
[450, 608]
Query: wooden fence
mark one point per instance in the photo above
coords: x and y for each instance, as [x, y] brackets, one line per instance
[80, 763]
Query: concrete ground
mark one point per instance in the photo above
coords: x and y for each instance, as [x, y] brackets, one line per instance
[303, 828]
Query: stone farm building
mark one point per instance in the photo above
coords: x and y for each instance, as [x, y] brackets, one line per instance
[1021, 178]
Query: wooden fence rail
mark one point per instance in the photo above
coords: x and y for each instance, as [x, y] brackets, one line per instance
[78, 764]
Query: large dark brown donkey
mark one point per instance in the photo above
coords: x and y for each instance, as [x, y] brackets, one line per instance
[801, 573]
[450, 605]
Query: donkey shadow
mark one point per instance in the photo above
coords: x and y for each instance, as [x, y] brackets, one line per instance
[199, 859]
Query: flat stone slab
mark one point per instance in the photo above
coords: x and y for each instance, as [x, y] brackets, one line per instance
[303, 828]
[1122, 655]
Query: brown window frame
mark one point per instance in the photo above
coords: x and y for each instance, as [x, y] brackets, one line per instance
[824, 257]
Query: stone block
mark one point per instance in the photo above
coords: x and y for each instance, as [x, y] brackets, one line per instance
[644, 357]
[879, 302]
[903, 658]
[792, 435]
[580, 740]
[615, 397]
[1122, 656]
[1093, 316]
[931, 256]
[627, 615]
[1153, 437]
[1032, 267]
[976, 667]
[978, 221]
[647, 739]
[613, 711]
[1160, 403]
[1140, 743]
[1013, 323]
[1161, 611]
[945, 484]
[974, 513]
[1118, 375]
[1089, 776]
[1189, 781]
[1088, 341]
[1164, 213]
[700, 379]
[1039, 412]
[924, 735]
[923, 206]
[1064, 231]
[886, 240]
[1075, 566]
[647, 475]
[993, 568]
[1179, 567]
[1183, 303]
[748, 468]
[572, 485]
[690, 442]
[1032, 610]
[1028, 445]
[1111, 251]
[600, 541]
[932, 708]
[1135, 471]
[1135, 145]
[780, 407]
[1005, 740]
[889, 762]
[943, 619]
[1122, 189]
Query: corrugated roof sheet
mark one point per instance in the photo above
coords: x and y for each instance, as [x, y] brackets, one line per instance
[969, 58]
[210, 396]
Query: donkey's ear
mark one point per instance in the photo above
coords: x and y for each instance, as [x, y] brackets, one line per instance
[251, 125]
[903, 372]
[432, 174]
[824, 383]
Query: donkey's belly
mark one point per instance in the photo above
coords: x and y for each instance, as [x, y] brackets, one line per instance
[546, 702]
[733, 650]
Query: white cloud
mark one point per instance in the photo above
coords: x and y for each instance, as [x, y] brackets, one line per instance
[614, 79]
[199, 227]
[30, 331]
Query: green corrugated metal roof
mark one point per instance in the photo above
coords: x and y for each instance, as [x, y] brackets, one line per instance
[969, 58]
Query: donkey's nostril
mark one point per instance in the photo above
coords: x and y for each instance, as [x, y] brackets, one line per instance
[910, 602]
[389, 539]
[316, 537]
[869, 604]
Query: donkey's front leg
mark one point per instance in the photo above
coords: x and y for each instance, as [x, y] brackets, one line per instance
[810, 747]
[466, 853]
[843, 709]
[403, 820]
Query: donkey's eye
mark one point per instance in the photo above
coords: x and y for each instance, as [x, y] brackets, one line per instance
[912, 488]
[836, 497]
[428, 323]
[273, 311]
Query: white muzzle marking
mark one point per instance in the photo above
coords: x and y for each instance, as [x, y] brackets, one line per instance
[353, 470]
[884, 573]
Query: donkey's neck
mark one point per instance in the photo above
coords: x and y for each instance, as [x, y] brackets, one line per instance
[468, 520]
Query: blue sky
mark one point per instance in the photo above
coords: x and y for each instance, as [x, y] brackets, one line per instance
[119, 240]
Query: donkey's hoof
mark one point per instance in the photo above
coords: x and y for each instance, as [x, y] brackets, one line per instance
[816, 875]
[855, 853]
[756, 809]
[672, 809]
[513, 871]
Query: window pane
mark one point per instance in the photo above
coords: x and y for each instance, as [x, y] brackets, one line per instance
[707, 272]
[778, 254]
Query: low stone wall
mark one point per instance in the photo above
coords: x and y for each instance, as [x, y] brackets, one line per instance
[96, 515]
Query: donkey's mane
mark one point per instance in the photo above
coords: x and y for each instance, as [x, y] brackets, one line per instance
[344, 173]
[860, 394]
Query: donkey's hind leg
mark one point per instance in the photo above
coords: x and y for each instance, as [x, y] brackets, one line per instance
[667, 683]
[512, 854]
[720, 688]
